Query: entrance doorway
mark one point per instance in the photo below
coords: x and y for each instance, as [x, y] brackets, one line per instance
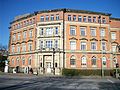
[48, 67]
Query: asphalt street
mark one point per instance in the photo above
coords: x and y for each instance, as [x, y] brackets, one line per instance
[30, 82]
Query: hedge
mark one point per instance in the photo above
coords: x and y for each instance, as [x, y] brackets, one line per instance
[88, 72]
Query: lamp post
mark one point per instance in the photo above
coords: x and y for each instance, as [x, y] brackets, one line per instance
[102, 71]
[53, 61]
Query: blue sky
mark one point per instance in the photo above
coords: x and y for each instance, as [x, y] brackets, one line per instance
[11, 8]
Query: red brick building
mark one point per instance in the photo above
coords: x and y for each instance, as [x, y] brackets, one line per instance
[50, 40]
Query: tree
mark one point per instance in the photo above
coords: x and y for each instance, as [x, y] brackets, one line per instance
[3, 56]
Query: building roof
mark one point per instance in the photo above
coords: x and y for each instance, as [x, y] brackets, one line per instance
[21, 17]
[112, 18]
[76, 11]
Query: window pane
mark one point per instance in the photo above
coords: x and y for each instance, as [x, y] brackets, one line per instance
[72, 45]
[69, 17]
[80, 18]
[83, 62]
[72, 30]
[83, 45]
[82, 31]
[93, 32]
[93, 60]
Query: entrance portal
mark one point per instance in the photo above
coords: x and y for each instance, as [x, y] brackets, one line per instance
[48, 67]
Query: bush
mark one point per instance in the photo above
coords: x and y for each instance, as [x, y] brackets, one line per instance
[87, 72]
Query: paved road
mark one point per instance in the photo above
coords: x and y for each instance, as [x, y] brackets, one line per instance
[13, 82]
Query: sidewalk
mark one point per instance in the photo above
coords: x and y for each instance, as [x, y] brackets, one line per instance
[53, 76]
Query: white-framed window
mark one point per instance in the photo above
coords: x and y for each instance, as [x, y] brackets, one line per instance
[113, 36]
[30, 33]
[23, 61]
[83, 31]
[84, 19]
[104, 20]
[56, 30]
[93, 31]
[113, 48]
[74, 17]
[80, 18]
[29, 61]
[47, 18]
[23, 47]
[73, 45]
[72, 30]
[102, 32]
[41, 32]
[104, 60]
[103, 46]
[83, 61]
[94, 19]
[83, 46]
[24, 35]
[57, 17]
[93, 61]
[13, 48]
[93, 46]
[56, 44]
[52, 17]
[72, 60]
[40, 44]
[49, 44]
[18, 48]
[14, 37]
[29, 46]
[42, 18]
[19, 36]
[89, 19]
[69, 17]
[49, 31]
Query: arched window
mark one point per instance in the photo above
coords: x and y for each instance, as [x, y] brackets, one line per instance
[104, 60]
[93, 60]
[23, 61]
[72, 60]
[29, 61]
[83, 61]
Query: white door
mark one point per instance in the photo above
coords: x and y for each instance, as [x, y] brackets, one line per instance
[48, 64]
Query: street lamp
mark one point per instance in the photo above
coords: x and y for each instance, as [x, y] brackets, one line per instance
[102, 71]
[53, 61]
